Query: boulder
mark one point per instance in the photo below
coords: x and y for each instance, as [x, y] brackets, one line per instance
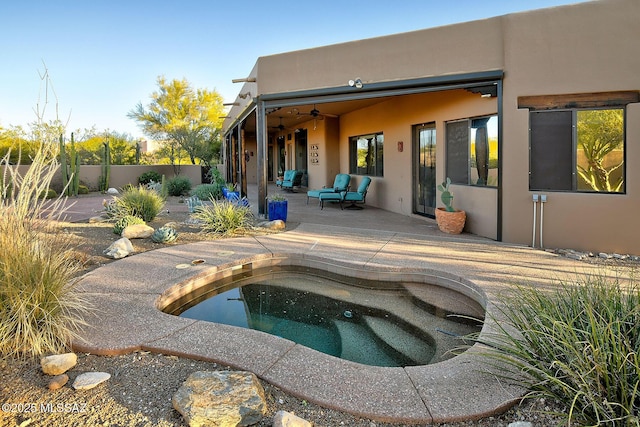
[276, 224]
[119, 249]
[89, 380]
[137, 231]
[287, 419]
[113, 191]
[220, 398]
[58, 363]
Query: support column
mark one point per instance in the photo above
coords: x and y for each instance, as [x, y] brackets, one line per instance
[262, 143]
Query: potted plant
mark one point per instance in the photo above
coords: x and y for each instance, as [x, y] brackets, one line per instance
[449, 220]
[229, 192]
[277, 207]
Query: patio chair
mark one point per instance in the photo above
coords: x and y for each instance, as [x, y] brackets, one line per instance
[295, 181]
[340, 183]
[358, 196]
[287, 176]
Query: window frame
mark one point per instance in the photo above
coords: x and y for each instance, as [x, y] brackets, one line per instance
[573, 166]
[378, 157]
[462, 175]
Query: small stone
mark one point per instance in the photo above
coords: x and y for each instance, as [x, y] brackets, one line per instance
[89, 380]
[58, 363]
[576, 256]
[119, 249]
[604, 255]
[520, 424]
[287, 419]
[58, 381]
[137, 231]
[113, 191]
[620, 257]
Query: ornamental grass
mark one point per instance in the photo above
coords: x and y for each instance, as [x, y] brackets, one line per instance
[40, 306]
[138, 201]
[578, 345]
[224, 217]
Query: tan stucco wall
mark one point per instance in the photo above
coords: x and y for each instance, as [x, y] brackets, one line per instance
[122, 175]
[471, 47]
[395, 118]
[582, 48]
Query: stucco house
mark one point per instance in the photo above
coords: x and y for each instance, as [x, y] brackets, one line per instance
[539, 105]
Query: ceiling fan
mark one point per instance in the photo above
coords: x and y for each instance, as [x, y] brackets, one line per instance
[280, 127]
[315, 113]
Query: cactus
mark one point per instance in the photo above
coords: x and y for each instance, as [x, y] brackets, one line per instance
[138, 151]
[164, 235]
[446, 196]
[106, 167]
[70, 171]
[124, 222]
[63, 165]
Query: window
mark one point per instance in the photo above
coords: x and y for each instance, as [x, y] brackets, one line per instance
[580, 150]
[472, 151]
[366, 154]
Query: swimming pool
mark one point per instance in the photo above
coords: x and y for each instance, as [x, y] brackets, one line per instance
[373, 322]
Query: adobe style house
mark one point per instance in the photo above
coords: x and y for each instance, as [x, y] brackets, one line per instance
[542, 104]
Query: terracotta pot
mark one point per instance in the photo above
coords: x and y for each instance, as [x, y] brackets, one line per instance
[450, 222]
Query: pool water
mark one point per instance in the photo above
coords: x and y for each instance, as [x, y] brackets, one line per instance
[373, 323]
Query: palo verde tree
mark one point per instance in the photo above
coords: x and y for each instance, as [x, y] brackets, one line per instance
[181, 118]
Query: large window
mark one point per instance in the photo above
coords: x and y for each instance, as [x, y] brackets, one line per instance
[366, 154]
[577, 150]
[472, 151]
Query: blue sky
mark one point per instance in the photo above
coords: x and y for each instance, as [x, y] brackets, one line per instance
[103, 57]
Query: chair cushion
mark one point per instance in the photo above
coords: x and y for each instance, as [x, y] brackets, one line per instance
[341, 182]
[331, 196]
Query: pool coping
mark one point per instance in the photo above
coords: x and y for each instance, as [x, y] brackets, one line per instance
[126, 294]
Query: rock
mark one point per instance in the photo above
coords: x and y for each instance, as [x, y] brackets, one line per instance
[520, 424]
[220, 398]
[287, 419]
[604, 255]
[89, 380]
[113, 191]
[58, 363]
[277, 224]
[58, 381]
[119, 249]
[137, 231]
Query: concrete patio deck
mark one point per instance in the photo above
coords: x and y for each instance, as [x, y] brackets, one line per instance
[126, 295]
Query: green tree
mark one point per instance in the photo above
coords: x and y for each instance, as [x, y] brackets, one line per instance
[601, 140]
[181, 118]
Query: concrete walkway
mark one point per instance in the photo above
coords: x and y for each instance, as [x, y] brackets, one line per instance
[370, 242]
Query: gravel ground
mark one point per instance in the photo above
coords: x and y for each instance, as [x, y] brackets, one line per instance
[142, 384]
[139, 394]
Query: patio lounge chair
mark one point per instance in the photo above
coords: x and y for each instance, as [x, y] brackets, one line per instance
[354, 197]
[295, 181]
[287, 176]
[340, 183]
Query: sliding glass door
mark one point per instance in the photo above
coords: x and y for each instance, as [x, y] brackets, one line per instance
[424, 169]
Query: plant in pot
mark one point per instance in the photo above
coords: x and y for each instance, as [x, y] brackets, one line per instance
[229, 192]
[449, 220]
[277, 207]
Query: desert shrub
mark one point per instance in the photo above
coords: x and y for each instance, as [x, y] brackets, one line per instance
[215, 177]
[140, 202]
[178, 186]
[149, 176]
[50, 193]
[40, 306]
[224, 217]
[207, 191]
[124, 222]
[579, 345]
